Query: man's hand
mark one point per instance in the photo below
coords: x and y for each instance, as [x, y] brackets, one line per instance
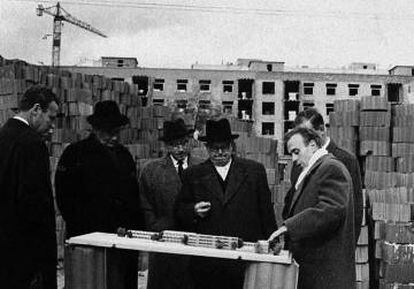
[277, 233]
[202, 208]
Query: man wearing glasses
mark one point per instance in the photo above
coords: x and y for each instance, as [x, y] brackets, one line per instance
[159, 184]
[225, 195]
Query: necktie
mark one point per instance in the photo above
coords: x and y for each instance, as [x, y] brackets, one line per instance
[180, 169]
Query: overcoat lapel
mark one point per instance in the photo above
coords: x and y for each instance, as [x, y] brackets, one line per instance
[302, 185]
[211, 182]
[235, 178]
[170, 169]
[331, 147]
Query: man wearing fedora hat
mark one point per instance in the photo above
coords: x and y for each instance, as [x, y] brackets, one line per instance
[159, 184]
[96, 185]
[224, 195]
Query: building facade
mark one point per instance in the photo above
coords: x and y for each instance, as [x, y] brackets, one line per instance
[264, 92]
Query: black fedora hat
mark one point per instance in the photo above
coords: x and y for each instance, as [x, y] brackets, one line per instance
[174, 130]
[218, 131]
[107, 115]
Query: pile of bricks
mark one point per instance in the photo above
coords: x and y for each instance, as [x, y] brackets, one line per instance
[386, 150]
[374, 129]
[397, 254]
[343, 124]
[362, 252]
[392, 201]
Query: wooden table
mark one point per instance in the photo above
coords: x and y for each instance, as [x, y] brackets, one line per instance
[94, 261]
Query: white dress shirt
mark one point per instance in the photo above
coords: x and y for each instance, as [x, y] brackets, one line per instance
[21, 119]
[316, 156]
[223, 171]
[175, 163]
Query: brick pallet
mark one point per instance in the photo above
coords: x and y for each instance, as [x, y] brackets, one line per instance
[386, 150]
[343, 124]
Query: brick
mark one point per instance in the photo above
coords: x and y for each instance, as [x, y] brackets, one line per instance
[403, 121]
[374, 103]
[402, 149]
[405, 164]
[344, 118]
[398, 253]
[375, 118]
[399, 233]
[378, 148]
[349, 133]
[379, 163]
[403, 110]
[374, 133]
[401, 134]
[400, 273]
[347, 105]
[363, 236]
[362, 272]
[361, 254]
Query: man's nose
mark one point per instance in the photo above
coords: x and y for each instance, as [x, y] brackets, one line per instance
[294, 158]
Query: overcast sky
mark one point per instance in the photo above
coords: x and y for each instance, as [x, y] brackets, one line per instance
[316, 32]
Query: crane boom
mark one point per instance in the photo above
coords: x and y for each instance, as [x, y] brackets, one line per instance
[60, 15]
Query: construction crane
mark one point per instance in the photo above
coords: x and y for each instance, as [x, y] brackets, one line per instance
[59, 14]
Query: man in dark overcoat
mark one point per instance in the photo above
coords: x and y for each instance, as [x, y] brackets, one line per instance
[159, 185]
[96, 181]
[319, 227]
[27, 215]
[227, 196]
[312, 119]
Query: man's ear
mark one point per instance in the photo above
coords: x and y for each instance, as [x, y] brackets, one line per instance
[312, 143]
[35, 110]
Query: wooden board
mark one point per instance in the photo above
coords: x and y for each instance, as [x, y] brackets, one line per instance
[113, 241]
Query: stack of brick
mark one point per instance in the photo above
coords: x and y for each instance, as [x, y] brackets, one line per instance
[343, 124]
[396, 242]
[374, 130]
[390, 193]
[396, 250]
[362, 252]
[378, 165]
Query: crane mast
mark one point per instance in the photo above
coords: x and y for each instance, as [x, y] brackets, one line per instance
[59, 15]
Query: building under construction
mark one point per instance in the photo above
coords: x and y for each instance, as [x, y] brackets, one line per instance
[267, 93]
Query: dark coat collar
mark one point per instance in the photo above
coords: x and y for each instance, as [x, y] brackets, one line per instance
[331, 146]
[18, 124]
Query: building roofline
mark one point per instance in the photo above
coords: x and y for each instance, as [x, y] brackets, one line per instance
[402, 65]
[252, 72]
